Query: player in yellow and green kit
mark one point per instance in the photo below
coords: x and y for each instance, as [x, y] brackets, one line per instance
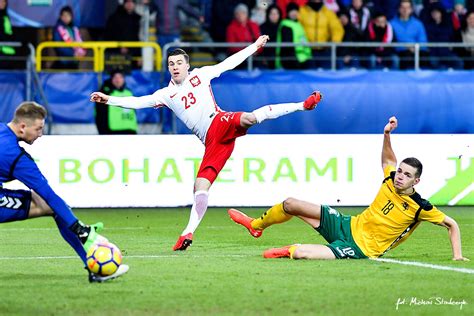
[391, 218]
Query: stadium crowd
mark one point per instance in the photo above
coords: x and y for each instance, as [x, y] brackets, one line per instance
[314, 22]
[318, 21]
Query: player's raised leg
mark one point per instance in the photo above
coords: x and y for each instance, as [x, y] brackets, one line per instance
[274, 111]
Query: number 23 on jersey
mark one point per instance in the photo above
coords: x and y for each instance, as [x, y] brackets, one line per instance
[188, 100]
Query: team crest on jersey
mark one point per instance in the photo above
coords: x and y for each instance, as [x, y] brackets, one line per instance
[405, 206]
[195, 81]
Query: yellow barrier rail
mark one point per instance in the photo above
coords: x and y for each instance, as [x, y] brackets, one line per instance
[98, 49]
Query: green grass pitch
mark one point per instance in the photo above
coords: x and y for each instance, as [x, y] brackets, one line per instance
[223, 273]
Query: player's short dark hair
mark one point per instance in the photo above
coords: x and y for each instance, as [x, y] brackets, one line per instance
[67, 9]
[415, 163]
[29, 110]
[406, 1]
[378, 14]
[179, 51]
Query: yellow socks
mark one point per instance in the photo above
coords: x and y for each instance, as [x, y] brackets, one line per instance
[275, 215]
[291, 250]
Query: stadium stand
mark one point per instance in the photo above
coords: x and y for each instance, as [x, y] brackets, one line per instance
[351, 95]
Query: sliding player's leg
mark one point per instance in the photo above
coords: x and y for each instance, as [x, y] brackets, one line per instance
[279, 213]
[300, 252]
[333, 226]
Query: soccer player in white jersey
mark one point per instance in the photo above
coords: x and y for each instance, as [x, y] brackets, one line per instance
[189, 96]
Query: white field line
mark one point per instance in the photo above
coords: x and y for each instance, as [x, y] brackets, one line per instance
[411, 263]
[132, 256]
[426, 265]
[55, 228]
[106, 228]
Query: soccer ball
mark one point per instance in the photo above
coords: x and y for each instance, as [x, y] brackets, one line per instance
[104, 258]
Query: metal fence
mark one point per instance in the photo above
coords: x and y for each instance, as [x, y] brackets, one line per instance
[34, 89]
[332, 57]
[218, 51]
[32, 61]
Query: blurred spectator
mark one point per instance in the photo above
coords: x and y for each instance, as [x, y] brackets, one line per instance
[321, 25]
[282, 4]
[388, 7]
[417, 7]
[291, 31]
[65, 31]
[458, 14]
[425, 13]
[440, 30]
[241, 29]
[6, 35]
[359, 15]
[447, 4]
[470, 5]
[348, 57]
[408, 29]
[205, 8]
[379, 30]
[259, 12]
[222, 15]
[168, 22]
[112, 119]
[124, 25]
[335, 6]
[270, 28]
[466, 35]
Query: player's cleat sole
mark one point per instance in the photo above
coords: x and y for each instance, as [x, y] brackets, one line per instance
[244, 220]
[95, 278]
[312, 101]
[183, 242]
[283, 252]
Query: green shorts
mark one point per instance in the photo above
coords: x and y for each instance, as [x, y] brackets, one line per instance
[336, 229]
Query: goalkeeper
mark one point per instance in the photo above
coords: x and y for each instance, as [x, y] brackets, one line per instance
[15, 205]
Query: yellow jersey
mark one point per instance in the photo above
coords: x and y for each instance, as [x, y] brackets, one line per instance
[391, 218]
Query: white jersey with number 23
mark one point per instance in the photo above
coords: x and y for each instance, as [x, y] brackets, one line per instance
[192, 101]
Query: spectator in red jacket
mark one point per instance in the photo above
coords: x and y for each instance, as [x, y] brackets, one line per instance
[458, 13]
[241, 29]
[379, 30]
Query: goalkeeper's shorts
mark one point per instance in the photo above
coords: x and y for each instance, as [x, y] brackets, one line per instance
[14, 205]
